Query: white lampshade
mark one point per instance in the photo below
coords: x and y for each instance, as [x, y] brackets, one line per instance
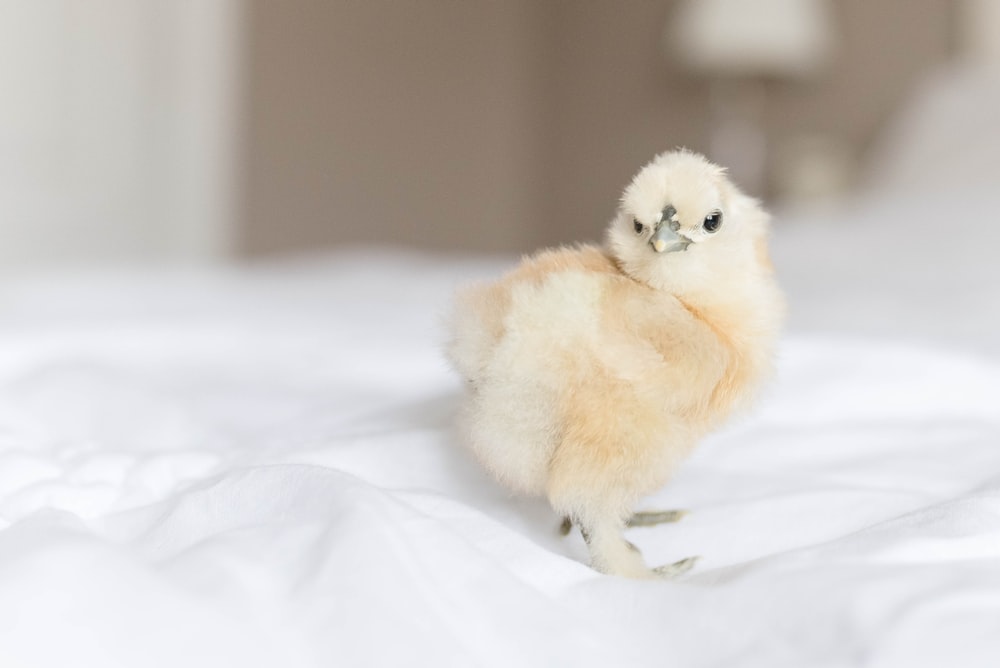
[783, 38]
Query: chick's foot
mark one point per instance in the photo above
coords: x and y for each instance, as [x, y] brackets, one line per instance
[676, 569]
[644, 518]
[649, 518]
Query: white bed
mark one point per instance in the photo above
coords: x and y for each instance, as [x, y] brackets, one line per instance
[256, 467]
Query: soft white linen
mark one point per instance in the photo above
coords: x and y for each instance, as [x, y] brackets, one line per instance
[257, 468]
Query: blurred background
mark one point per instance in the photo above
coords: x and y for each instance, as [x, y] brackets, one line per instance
[135, 131]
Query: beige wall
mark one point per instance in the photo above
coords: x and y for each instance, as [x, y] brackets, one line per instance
[395, 122]
[507, 125]
[885, 46]
[613, 103]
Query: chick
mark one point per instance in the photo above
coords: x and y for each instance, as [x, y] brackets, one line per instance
[592, 372]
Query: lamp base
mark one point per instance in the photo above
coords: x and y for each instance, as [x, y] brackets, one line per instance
[737, 138]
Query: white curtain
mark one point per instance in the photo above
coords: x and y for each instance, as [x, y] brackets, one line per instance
[118, 122]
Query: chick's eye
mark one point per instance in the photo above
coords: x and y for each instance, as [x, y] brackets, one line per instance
[639, 227]
[712, 221]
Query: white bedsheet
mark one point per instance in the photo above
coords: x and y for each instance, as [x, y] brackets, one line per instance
[257, 468]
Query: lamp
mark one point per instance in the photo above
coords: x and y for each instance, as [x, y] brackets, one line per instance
[739, 45]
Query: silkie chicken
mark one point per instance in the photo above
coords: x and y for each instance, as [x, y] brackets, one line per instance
[592, 372]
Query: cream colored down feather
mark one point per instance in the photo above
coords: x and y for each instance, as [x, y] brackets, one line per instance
[592, 372]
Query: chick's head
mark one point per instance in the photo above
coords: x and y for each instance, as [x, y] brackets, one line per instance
[682, 225]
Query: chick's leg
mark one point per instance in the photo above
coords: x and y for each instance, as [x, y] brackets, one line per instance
[605, 460]
[610, 552]
[603, 528]
[597, 506]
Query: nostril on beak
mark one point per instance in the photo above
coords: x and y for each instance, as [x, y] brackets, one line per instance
[675, 225]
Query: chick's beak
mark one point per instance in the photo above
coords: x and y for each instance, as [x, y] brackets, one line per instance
[665, 237]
